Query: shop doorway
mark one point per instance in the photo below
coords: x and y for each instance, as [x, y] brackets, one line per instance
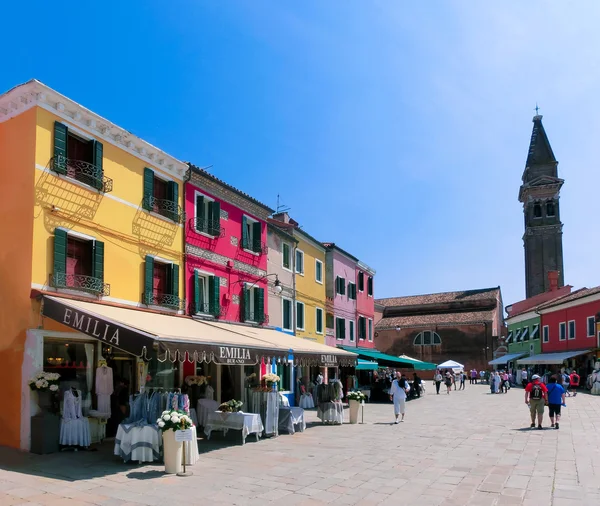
[123, 366]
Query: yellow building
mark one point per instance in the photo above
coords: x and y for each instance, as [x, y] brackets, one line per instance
[91, 212]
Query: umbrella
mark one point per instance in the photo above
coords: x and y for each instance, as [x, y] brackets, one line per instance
[451, 364]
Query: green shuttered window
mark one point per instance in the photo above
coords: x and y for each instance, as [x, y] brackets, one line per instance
[148, 189]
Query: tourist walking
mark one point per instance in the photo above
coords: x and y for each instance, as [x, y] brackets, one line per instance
[524, 381]
[535, 397]
[473, 376]
[481, 377]
[556, 398]
[398, 391]
[456, 379]
[437, 380]
[416, 385]
[449, 379]
[574, 382]
[497, 382]
[505, 382]
[463, 379]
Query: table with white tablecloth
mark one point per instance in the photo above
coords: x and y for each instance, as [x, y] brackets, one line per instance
[140, 443]
[331, 412]
[248, 423]
[290, 419]
[204, 408]
[191, 449]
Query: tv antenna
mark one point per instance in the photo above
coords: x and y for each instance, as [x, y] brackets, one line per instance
[281, 208]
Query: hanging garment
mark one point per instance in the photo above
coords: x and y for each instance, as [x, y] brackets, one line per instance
[74, 428]
[104, 389]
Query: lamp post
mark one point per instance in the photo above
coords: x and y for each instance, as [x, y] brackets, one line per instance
[277, 288]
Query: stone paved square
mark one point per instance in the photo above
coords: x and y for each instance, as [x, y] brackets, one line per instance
[468, 448]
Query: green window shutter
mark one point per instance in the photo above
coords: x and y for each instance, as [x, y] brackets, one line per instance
[247, 308]
[98, 264]
[245, 244]
[214, 213]
[214, 304]
[200, 217]
[197, 295]
[361, 281]
[148, 188]
[173, 196]
[337, 284]
[343, 286]
[259, 304]
[60, 257]
[370, 286]
[148, 279]
[60, 147]
[174, 281]
[97, 151]
[285, 251]
[319, 322]
[256, 237]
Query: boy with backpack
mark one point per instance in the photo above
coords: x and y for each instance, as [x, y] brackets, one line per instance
[535, 396]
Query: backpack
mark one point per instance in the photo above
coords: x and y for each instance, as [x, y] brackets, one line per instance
[536, 392]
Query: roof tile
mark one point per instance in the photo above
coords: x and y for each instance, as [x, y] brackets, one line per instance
[442, 297]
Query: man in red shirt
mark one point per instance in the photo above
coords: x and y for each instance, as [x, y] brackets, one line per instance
[573, 382]
[535, 396]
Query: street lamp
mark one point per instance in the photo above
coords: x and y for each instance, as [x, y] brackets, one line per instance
[277, 287]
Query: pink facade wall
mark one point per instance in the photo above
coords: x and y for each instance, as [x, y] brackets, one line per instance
[222, 256]
[365, 306]
[338, 264]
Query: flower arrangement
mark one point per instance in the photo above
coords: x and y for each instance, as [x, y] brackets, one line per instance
[174, 420]
[270, 378]
[231, 406]
[44, 381]
[196, 380]
[356, 396]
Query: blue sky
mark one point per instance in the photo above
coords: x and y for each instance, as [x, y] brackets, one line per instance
[397, 129]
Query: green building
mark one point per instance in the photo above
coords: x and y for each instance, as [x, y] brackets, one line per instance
[524, 334]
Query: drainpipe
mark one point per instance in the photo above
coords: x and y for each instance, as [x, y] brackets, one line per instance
[294, 248]
[186, 178]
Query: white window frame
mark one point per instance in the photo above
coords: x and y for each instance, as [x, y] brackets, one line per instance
[534, 328]
[204, 275]
[546, 334]
[569, 336]
[291, 314]
[318, 262]
[351, 331]
[509, 337]
[517, 336]
[593, 320]
[292, 259]
[562, 325]
[250, 287]
[296, 261]
[358, 284]
[317, 309]
[372, 284]
[250, 221]
[298, 327]
[370, 330]
[524, 334]
[207, 199]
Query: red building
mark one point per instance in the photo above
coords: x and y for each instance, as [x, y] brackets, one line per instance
[365, 305]
[569, 325]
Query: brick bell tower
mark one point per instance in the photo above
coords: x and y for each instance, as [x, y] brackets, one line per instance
[539, 195]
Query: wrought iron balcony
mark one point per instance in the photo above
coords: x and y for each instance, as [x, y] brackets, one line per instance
[206, 309]
[84, 172]
[164, 207]
[79, 282]
[163, 299]
[257, 246]
[253, 317]
[210, 227]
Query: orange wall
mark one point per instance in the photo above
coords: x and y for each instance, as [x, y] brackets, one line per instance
[17, 196]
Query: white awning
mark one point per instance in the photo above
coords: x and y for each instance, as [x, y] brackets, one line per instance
[551, 358]
[504, 359]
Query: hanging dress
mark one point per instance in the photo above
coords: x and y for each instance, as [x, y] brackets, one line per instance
[74, 427]
[104, 389]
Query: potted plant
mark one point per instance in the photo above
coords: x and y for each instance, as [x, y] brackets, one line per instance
[169, 422]
[355, 399]
[231, 406]
[271, 380]
[45, 385]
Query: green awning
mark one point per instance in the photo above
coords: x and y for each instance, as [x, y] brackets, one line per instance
[389, 360]
[366, 365]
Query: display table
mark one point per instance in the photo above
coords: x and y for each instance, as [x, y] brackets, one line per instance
[138, 443]
[191, 449]
[291, 417]
[248, 423]
[306, 401]
[266, 404]
[204, 408]
[331, 412]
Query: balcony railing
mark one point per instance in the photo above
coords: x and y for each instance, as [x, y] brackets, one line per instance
[164, 207]
[210, 227]
[163, 299]
[84, 172]
[253, 317]
[80, 283]
[257, 246]
[205, 309]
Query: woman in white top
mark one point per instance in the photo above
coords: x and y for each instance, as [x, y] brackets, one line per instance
[400, 388]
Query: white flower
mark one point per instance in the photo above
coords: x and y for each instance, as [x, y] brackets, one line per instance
[175, 419]
[161, 424]
[38, 383]
[166, 412]
[166, 417]
[53, 388]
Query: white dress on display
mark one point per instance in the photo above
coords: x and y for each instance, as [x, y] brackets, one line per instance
[74, 427]
[104, 389]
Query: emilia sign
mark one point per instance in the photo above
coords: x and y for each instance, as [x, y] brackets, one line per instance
[233, 355]
[328, 361]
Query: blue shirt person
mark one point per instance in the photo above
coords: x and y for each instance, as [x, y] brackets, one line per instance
[556, 398]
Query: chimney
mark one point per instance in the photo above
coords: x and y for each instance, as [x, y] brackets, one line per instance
[283, 217]
[553, 280]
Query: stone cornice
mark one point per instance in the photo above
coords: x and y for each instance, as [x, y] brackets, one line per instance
[34, 93]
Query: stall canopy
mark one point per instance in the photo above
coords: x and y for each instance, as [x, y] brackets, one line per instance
[419, 365]
[143, 333]
[366, 365]
[551, 358]
[450, 364]
[505, 359]
[381, 358]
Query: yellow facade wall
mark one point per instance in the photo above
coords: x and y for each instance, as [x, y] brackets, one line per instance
[308, 290]
[17, 148]
[129, 233]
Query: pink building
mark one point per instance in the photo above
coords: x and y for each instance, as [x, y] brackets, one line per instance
[225, 251]
[365, 305]
[341, 292]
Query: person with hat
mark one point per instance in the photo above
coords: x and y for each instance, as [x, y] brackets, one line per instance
[536, 394]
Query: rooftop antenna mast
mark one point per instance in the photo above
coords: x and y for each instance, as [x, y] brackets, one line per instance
[281, 208]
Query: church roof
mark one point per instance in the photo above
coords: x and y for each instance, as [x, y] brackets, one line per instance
[540, 151]
[443, 297]
[465, 318]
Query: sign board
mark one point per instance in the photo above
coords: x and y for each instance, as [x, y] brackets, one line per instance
[183, 435]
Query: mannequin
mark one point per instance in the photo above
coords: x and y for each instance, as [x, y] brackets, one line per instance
[596, 379]
[104, 387]
[74, 427]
